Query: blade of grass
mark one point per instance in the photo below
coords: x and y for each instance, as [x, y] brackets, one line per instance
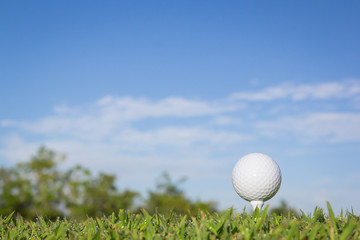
[303, 215]
[7, 220]
[348, 231]
[333, 228]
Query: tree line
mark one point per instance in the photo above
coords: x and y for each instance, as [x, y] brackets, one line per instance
[39, 188]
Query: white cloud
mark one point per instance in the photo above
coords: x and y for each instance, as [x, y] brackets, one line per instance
[109, 126]
[327, 127]
[329, 90]
[15, 149]
[111, 113]
[114, 119]
[134, 109]
[226, 120]
[178, 136]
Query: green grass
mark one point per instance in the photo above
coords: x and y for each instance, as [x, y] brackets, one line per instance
[227, 225]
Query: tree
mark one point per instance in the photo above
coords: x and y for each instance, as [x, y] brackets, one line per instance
[15, 193]
[37, 187]
[95, 196]
[284, 210]
[169, 197]
[33, 188]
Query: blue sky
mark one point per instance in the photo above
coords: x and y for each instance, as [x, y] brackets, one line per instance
[136, 88]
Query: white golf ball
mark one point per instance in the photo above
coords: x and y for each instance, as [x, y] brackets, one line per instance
[256, 178]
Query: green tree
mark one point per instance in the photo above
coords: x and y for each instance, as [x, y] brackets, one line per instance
[32, 188]
[46, 182]
[37, 187]
[95, 196]
[284, 210]
[169, 197]
[15, 193]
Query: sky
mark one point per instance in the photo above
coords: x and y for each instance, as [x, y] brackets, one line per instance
[138, 88]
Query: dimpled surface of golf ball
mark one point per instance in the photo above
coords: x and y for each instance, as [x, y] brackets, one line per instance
[256, 176]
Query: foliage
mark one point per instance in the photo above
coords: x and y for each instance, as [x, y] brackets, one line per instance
[39, 188]
[168, 197]
[227, 225]
[284, 210]
[95, 196]
[33, 187]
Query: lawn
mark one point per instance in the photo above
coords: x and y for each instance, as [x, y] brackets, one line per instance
[227, 225]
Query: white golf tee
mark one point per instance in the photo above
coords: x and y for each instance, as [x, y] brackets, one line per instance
[257, 204]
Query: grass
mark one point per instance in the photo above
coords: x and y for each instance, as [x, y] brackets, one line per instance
[227, 225]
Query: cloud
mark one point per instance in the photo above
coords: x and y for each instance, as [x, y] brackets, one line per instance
[119, 125]
[15, 149]
[226, 120]
[132, 109]
[111, 113]
[171, 121]
[328, 127]
[322, 91]
[178, 136]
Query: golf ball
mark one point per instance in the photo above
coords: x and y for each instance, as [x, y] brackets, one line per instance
[256, 177]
